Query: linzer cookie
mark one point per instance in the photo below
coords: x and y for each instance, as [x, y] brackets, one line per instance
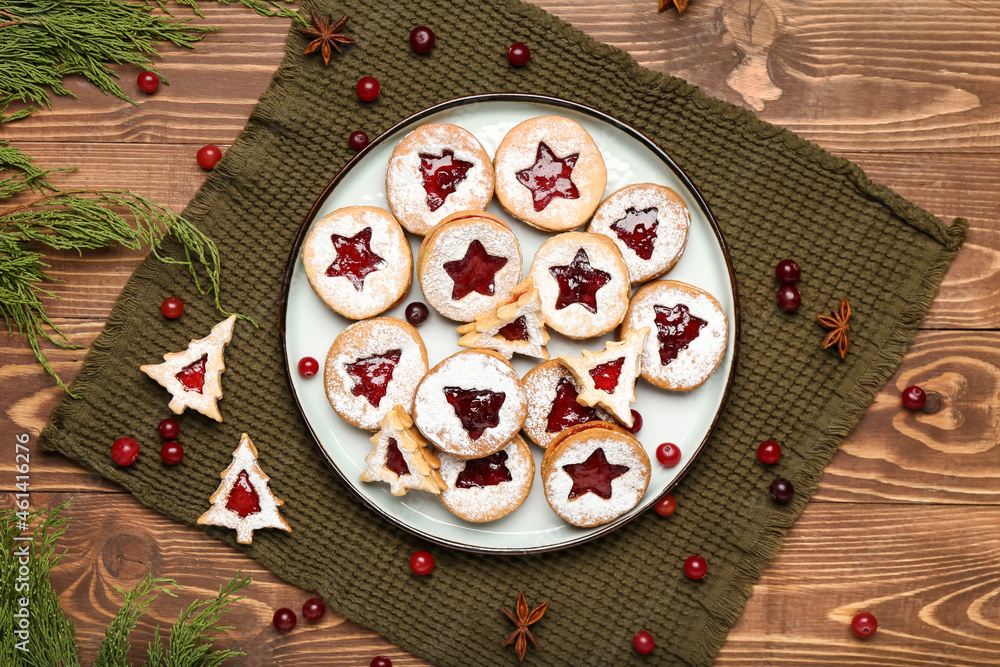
[552, 406]
[649, 223]
[549, 173]
[583, 283]
[593, 473]
[372, 366]
[689, 333]
[488, 488]
[434, 171]
[358, 261]
[400, 457]
[471, 404]
[469, 264]
[517, 326]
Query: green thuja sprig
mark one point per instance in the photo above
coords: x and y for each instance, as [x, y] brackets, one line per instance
[262, 7]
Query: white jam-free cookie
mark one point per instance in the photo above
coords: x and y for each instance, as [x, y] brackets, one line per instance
[552, 403]
[488, 488]
[517, 326]
[400, 457]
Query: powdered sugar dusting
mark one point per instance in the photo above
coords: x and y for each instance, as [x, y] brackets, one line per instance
[540, 386]
[487, 503]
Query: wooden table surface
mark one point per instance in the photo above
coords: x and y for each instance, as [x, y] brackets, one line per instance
[906, 522]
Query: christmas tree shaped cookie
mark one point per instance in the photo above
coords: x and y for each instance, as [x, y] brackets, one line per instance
[194, 376]
[243, 502]
[516, 326]
[400, 457]
[608, 377]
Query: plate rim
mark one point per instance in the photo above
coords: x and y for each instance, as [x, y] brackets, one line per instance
[543, 100]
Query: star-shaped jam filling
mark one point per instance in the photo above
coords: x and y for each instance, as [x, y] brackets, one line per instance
[487, 471]
[579, 282]
[676, 328]
[565, 411]
[243, 498]
[192, 376]
[442, 174]
[606, 375]
[474, 272]
[515, 330]
[394, 460]
[549, 177]
[637, 230]
[593, 475]
[355, 258]
[477, 409]
[372, 375]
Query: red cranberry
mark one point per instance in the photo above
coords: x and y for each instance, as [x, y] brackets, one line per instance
[284, 620]
[789, 298]
[313, 609]
[380, 661]
[169, 428]
[125, 451]
[308, 367]
[668, 454]
[768, 452]
[914, 398]
[636, 422]
[421, 39]
[172, 307]
[666, 505]
[358, 140]
[171, 453]
[148, 82]
[643, 642]
[209, 155]
[781, 490]
[518, 55]
[787, 271]
[416, 313]
[864, 625]
[368, 88]
[695, 567]
[422, 563]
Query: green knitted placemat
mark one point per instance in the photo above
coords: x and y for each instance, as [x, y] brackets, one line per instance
[774, 194]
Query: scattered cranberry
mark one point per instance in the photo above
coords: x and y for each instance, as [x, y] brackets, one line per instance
[284, 620]
[789, 298]
[172, 307]
[169, 428]
[125, 451]
[636, 422]
[380, 661]
[358, 140]
[209, 155]
[416, 313]
[695, 567]
[787, 271]
[313, 609]
[864, 625]
[668, 454]
[518, 55]
[368, 88]
[308, 367]
[666, 505]
[768, 452]
[148, 82]
[781, 490]
[914, 398]
[422, 563]
[421, 39]
[171, 453]
[643, 642]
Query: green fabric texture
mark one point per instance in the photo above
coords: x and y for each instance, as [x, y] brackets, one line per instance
[775, 196]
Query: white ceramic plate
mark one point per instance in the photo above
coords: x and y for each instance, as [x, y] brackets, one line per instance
[309, 328]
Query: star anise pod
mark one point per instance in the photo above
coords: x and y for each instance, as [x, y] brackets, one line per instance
[837, 321]
[681, 5]
[522, 635]
[326, 33]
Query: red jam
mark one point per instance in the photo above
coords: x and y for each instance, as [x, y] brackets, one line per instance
[606, 375]
[676, 328]
[355, 258]
[637, 230]
[192, 376]
[474, 272]
[394, 460]
[487, 471]
[442, 174]
[565, 411]
[579, 282]
[593, 475]
[373, 374]
[516, 330]
[549, 177]
[477, 409]
[243, 498]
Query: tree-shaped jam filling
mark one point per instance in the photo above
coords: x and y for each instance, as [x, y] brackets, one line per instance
[516, 330]
[477, 409]
[593, 475]
[192, 376]
[606, 375]
[372, 375]
[637, 230]
[442, 174]
[394, 460]
[565, 411]
[676, 328]
[243, 498]
[579, 282]
[475, 272]
[487, 471]
[549, 177]
[355, 259]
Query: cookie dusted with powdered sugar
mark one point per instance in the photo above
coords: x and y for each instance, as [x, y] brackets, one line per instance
[552, 406]
[488, 488]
